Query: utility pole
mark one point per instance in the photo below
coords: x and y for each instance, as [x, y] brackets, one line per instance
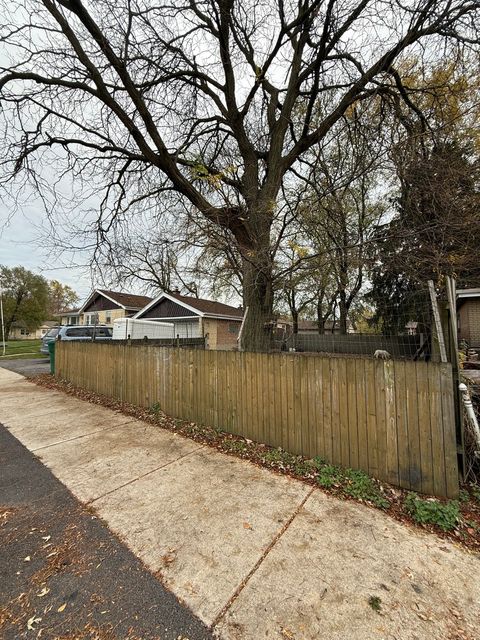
[1, 319]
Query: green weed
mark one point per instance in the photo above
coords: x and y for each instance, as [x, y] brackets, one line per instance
[156, 409]
[376, 603]
[475, 489]
[280, 458]
[442, 514]
[360, 486]
[328, 476]
[235, 446]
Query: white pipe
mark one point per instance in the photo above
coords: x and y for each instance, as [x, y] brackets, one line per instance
[467, 402]
[240, 333]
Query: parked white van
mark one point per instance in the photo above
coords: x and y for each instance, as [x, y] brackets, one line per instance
[127, 328]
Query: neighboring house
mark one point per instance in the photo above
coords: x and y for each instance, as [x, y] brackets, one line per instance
[468, 316]
[219, 323]
[19, 331]
[69, 316]
[103, 307]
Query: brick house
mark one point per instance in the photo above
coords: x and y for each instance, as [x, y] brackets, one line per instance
[468, 316]
[219, 323]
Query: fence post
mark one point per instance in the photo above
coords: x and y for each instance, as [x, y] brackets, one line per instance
[438, 323]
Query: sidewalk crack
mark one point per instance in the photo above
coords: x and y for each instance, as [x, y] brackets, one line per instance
[83, 435]
[144, 475]
[255, 567]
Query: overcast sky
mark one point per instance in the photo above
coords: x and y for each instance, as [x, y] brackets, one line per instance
[19, 247]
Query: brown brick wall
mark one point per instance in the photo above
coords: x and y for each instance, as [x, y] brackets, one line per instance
[469, 322]
[473, 310]
[227, 339]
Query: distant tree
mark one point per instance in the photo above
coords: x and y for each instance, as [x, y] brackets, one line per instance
[25, 297]
[60, 297]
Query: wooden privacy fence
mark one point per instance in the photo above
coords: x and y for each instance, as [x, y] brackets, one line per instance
[393, 419]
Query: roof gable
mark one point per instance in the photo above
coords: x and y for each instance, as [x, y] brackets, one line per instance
[104, 299]
[183, 306]
[166, 308]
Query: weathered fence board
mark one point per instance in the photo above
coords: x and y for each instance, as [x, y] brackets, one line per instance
[393, 419]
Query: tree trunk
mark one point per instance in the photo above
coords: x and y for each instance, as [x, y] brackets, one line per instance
[295, 321]
[320, 317]
[343, 312]
[258, 299]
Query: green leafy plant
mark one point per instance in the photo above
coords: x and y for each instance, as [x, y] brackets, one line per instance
[156, 409]
[360, 486]
[475, 489]
[280, 458]
[235, 446]
[376, 603]
[442, 514]
[328, 476]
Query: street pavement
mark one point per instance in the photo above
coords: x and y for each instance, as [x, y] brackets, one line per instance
[26, 366]
[254, 555]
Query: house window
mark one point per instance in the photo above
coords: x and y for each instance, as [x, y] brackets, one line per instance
[233, 328]
[23, 332]
[108, 317]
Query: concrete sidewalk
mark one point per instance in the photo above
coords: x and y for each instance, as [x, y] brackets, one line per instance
[63, 572]
[253, 554]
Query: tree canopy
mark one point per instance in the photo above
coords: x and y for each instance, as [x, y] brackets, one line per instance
[203, 106]
[25, 297]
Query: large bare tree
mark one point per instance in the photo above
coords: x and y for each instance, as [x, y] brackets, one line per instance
[213, 100]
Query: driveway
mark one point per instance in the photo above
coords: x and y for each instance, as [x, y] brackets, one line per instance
[253, 554]
[26, 366]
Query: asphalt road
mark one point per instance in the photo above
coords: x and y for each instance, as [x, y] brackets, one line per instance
[26, 366]
[64, 574]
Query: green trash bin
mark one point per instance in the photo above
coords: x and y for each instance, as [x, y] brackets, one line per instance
[51, 353]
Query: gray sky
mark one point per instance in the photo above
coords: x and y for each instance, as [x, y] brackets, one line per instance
[19, 247]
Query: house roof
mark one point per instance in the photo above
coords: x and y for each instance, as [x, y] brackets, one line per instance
[49, 323]
[69, 312]
[20, 324]
[124, 300]
[199, 306]
[468, 293]
[209, 307]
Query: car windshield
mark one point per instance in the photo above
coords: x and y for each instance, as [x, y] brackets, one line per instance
[52, 333]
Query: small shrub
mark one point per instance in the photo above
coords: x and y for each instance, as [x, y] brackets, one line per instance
[463, 496]
[442, 514]
[360, 486]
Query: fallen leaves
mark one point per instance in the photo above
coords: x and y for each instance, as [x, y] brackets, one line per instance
[43, 592]
[31, 622]
[62, 607]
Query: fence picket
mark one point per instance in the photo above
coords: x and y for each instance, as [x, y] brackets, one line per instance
[394, 419]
